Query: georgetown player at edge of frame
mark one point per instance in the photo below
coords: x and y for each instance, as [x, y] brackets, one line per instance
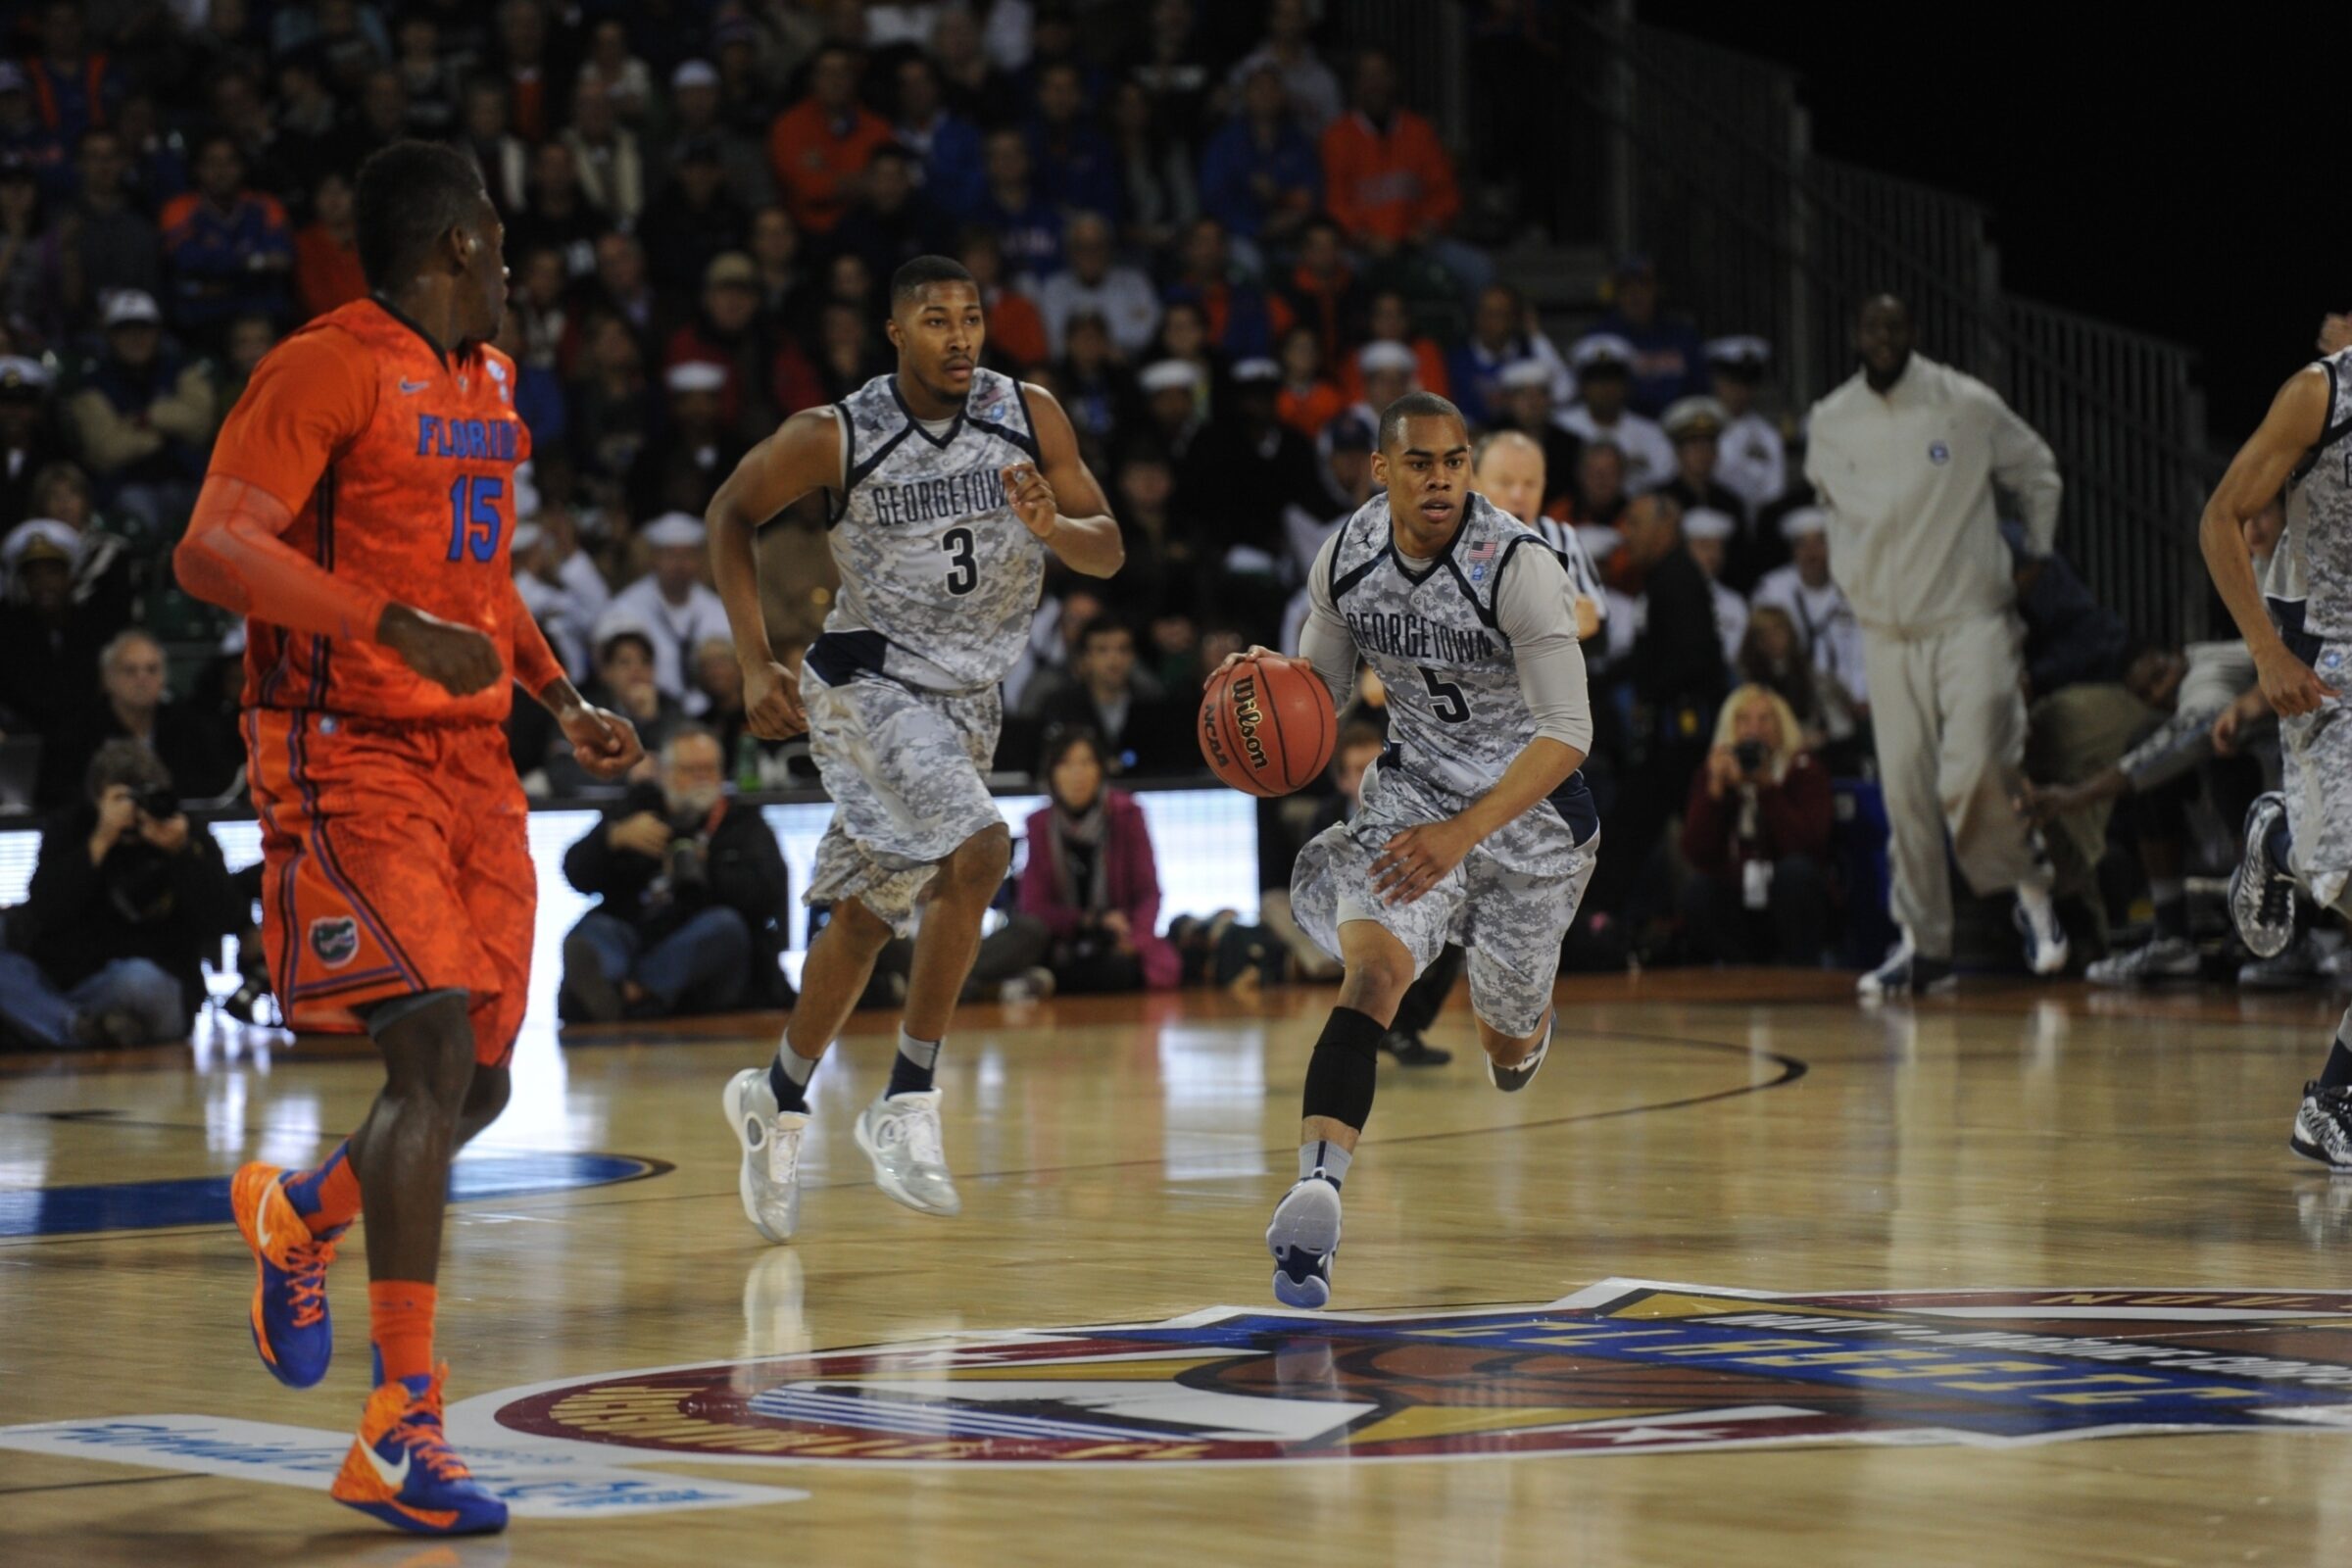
[946, 485]
[1476, 826]
[2297, 623]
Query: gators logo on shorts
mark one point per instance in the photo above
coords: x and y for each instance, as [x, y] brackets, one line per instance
[1627, 1364]
[335, 938]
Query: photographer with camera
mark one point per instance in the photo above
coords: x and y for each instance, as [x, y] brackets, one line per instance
[1756, 835]
[694, 896]
[127, 900]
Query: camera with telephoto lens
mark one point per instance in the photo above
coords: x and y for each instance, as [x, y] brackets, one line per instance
[1750, 754]
[685, 863]
[157, 801]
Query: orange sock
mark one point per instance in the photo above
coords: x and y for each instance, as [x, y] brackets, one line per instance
[327, 1197]
[400, 1321]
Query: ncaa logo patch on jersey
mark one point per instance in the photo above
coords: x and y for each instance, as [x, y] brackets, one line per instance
[335, 938]
[1939, 454]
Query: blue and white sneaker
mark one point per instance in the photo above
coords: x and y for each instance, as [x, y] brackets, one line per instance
[1304, 1234]
[2262, 897]
[2045, 939]
[1511, 1080]
[1906, 974]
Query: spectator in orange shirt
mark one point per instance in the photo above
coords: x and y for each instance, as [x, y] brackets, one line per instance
[1387, 179]
[1307, 401]
[326, 252]
[820, 145]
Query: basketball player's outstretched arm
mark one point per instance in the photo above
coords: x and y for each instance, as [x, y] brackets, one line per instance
[803, 455]
[1059, 500]
[2298, 417]
[1531, 605]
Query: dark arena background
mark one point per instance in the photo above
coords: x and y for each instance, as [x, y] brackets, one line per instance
[1871, 377]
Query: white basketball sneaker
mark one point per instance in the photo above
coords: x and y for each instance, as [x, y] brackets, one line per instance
[1305, 1232]
[899, 1134]
[769, 1178]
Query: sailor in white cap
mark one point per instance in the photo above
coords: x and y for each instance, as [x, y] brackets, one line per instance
[1605, 366]
[1693, 425]
[23, 378]
[1817, 604]
[1176, 396]
[1751, 458]
[673, 604]
[539, 584]
[695, 375]
[129, 307]
[1707, 534]
[1168, 375]
[1389, 370]
[41, 539]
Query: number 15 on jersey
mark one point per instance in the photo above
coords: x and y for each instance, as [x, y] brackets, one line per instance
[473, 519]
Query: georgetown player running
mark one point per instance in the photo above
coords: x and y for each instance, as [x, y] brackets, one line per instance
[948, 485]
[1476, 825]
[2298, 626]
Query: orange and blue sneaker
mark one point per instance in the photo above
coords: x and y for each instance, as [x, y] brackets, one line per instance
[290, 1324]
[402, 1470]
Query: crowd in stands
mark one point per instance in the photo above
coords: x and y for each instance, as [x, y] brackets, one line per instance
[1220, 239]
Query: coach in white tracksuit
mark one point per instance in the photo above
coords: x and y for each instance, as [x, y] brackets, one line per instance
[1906, 456]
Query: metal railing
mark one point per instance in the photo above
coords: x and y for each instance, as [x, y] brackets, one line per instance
[1756, 231]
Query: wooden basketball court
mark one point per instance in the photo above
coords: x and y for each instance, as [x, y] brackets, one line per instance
[2093, 1188]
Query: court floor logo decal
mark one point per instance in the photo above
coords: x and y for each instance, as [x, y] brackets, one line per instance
[1625, 1366]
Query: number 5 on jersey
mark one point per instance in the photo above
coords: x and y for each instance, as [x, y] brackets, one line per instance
[1445, 697]
[964, 567]
[473, 519]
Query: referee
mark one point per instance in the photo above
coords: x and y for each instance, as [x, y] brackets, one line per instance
[1904, 457]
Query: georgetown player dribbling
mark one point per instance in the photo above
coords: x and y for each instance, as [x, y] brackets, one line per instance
[946, 485]
[1476, 824]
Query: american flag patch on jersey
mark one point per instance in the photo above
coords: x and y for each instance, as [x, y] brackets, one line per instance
[1481, 552]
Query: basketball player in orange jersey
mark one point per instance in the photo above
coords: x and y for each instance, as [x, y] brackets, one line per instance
[357, 513]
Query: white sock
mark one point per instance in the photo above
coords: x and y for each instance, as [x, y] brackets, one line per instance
[1326, 1156]
[2036, 896]
[924, 1054]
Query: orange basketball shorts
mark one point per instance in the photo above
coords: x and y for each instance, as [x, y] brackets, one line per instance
[395, 858]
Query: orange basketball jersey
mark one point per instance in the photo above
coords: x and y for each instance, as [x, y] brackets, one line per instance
[398, 464]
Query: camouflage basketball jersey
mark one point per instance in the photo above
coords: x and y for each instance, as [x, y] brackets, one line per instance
[1456, 717]
[939, 577]
[2310, 581]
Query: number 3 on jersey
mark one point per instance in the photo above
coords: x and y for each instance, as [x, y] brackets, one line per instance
[473, 519]
[964, 567]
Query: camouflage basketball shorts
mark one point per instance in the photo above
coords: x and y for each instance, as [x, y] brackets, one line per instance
[1509, 904]
[904, 768]
[2316, 750]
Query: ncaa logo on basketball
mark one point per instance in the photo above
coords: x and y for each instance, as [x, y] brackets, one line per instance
[1627, 1364]
[335, 938]
[1939, 454]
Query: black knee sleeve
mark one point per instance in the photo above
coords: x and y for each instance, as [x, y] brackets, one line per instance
[1341, 1074]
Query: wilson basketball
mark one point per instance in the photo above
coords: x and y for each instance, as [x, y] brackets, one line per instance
[1267, 726]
